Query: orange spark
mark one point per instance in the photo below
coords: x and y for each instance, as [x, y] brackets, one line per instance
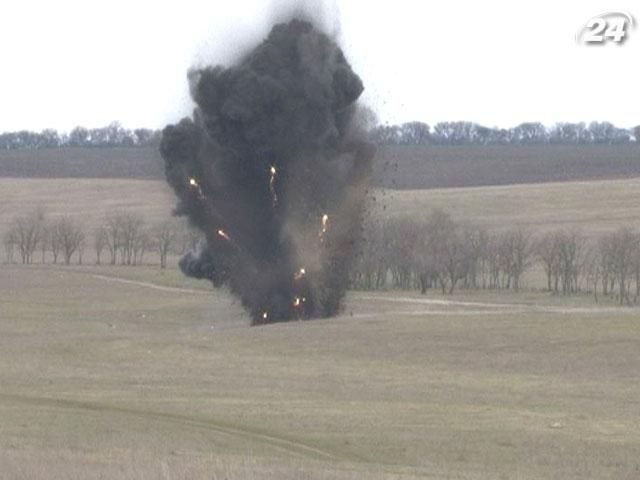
[300, 274]
[194, 184]
[224, 235]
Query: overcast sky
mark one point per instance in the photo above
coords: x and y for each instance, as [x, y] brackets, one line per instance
[499, 63]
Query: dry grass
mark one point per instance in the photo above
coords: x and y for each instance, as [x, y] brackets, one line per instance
[594, 206]
[102, 379]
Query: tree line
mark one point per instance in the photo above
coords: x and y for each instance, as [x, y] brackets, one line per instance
[123, 238]
[113, 135]
[410, 133]
[437, 252]
[530, 133]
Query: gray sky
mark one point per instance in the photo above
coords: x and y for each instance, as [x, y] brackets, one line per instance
[499, 63]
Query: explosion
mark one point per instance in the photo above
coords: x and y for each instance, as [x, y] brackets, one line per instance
[272, 147]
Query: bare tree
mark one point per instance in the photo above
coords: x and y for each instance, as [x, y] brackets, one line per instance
[113, 229]
[100, 241]
[165, 236]
[70, 236]
[28, 230]
[141, 244]
[623, 245]
[547, 252]
[130, 227]
[10, 242]
[45, 241]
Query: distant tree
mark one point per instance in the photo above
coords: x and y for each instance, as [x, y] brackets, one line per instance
[45, 241]
[605, 132]
[570, 133]
[415, 133]
[50, 139]
[79, 137]
[142, 243]
[113, 228]
[130, 227]
[165, 236]
[28, 230]
[100, 241]
[70, 236]
[530, 133]
[10, 243]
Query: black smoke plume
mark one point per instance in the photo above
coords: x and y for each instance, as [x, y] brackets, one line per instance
[273, 171]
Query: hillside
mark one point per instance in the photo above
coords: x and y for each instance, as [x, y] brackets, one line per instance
[442, 166]
[82, 162]
[403, 167]
[593, 206]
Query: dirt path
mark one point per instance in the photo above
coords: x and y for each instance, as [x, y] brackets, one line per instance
[150, 285]
[497, 308]
[287, 445]
[481, 308]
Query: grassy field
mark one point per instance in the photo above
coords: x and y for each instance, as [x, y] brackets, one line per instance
[147, 377]
[594, 206]
[427, 166]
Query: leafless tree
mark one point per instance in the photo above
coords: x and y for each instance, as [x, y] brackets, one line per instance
[400, 234]
[100, 241]
[70, 236]
[164, 238]
[131, 226]
[113, 230]
[10, 242]
[45, 241]
[28, 230]
[623, 245]
[517, 254]
[141, 244]
[547, 252]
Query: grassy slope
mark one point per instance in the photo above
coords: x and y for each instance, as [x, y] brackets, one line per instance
[437, 166]
[593, 206]
[431, 166]
[88, 200]
[130, 382]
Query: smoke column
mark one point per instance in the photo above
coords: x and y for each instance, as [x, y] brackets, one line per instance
[273, 170]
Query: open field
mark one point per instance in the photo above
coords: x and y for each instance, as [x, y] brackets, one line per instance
[438, 166]
[594, 206]
[427, 166]
[147, 377]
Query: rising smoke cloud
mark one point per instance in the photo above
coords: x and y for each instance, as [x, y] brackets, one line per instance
[274, 172]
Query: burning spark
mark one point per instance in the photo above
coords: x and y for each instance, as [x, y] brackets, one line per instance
[194, 184]
[224, 235]
[325, 225]
[297, 302]
[272, 184]
[300, 274]
[265, 316]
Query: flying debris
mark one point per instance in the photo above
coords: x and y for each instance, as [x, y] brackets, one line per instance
[272, 184]
[273, 146]
[325, 225]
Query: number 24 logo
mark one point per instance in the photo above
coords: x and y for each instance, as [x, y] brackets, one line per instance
[611, 26]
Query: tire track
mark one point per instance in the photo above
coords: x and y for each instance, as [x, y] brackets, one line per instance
[286, 445]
